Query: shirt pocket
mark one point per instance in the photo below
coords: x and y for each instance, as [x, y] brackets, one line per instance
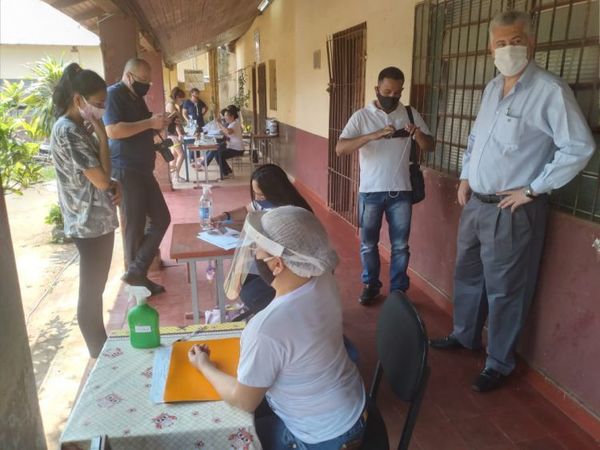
[508, 131]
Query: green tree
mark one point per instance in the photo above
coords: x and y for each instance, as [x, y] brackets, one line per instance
[38, 101]
[18, 167]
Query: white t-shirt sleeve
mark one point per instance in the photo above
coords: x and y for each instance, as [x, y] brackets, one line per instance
[420, 122]
[353, 128]
[261, 360]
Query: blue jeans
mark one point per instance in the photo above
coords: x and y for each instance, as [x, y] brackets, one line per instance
[274, 435]
[397, 207]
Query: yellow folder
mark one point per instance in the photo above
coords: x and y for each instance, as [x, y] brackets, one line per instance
[186, 383]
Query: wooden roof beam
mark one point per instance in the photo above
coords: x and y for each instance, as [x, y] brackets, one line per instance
[89, 14]
[60, 4]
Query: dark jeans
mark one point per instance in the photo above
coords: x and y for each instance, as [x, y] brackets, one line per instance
[144, 217]
[95, 255]
[222, 155]
[274, 435]
[397, 207]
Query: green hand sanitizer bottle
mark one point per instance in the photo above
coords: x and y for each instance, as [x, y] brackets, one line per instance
[143, 320]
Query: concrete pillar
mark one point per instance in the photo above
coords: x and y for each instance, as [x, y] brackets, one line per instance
[118, 42]
[20, 419]
[155, 99]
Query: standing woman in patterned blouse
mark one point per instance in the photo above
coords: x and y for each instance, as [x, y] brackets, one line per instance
[87, 195]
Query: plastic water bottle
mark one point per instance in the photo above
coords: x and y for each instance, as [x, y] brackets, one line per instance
[205, 208]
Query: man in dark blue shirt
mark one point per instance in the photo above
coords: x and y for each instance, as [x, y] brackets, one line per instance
[194, 109]
[131, 127]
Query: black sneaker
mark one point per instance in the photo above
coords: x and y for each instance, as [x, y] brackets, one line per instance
[134, 278]
[487, 380]
[445, 343]
[369, 294]
[154, 288]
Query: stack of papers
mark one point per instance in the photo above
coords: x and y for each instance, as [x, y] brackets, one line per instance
[225, 238]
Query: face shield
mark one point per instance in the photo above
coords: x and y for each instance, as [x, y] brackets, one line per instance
[302, 262]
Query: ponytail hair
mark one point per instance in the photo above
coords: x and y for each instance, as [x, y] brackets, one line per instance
[75, 80]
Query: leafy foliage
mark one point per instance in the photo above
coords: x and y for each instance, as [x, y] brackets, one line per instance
[55, 216]
[243, 95]
[18, 168]
[46, 74]
[26, 118]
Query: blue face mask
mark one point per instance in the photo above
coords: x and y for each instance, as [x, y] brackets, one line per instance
[265, 204]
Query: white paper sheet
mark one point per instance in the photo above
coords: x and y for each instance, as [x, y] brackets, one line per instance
[228, 240]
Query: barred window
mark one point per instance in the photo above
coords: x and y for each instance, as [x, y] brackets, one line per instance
[452, 64]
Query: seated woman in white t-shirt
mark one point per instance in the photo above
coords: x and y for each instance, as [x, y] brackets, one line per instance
[233, 145]
[292, 352]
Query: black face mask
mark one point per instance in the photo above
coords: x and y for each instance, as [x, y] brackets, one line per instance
[388, 104]
[140, 89]
[264, 271]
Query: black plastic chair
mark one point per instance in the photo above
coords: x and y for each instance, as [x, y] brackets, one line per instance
[402, 350]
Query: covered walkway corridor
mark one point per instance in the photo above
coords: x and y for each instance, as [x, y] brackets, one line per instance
[283, 63]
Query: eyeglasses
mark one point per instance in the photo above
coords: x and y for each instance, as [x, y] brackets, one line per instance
[254, 249]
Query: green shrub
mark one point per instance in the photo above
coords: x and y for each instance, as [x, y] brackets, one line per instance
[55, 216]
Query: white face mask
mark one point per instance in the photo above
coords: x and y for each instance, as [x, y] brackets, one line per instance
[510, 60]
[89, 112]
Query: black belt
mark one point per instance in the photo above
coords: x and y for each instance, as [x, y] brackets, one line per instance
[488, 198]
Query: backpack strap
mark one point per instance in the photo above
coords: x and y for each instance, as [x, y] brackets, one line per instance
[413, 144]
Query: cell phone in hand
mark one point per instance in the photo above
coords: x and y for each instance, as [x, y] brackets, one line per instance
[401, 133]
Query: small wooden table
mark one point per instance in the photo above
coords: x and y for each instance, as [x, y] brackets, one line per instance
[187, 248]
[202, 149]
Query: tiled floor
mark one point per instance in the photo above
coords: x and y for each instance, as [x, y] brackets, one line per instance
[452, 416]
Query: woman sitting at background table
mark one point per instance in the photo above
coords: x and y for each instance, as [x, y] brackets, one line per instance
[292, 352]
[233, 145]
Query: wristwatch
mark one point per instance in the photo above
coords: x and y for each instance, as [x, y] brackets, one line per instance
[529, 192]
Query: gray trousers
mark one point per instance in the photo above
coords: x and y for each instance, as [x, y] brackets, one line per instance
[497, 261]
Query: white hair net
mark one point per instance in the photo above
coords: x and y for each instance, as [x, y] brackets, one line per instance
[307, 251]
[289, 232]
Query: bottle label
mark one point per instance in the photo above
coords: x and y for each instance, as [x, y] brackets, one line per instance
[205, 212]
[143, 329]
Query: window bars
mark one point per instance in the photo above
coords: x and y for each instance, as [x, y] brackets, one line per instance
[452, 64]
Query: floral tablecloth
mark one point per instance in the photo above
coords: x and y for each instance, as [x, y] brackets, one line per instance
[115, 402]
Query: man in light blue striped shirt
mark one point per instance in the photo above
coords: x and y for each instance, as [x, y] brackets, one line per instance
[529, 137]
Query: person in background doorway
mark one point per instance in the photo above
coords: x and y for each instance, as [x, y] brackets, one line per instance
[131, 128]
[529, 137]
[175, 130]
[86, 193]
[194, 109]
[382, 134]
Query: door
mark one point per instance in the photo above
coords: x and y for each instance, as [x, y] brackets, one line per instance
[346, 57]
[262, 97]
